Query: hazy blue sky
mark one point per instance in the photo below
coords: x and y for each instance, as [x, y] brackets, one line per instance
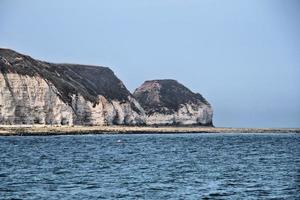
[242, 55]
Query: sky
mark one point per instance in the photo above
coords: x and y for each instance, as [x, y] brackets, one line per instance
[242, 56]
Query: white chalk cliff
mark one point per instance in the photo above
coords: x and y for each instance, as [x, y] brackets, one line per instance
[38, 92]
[167, 102]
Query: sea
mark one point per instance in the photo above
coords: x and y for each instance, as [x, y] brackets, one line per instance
[151, 166]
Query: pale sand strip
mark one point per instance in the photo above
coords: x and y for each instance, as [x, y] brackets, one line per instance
[64, 130]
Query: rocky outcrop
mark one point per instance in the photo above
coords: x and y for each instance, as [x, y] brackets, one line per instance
[167, 102]
[37, 92]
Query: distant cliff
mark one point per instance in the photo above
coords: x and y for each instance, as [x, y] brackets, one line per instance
[38, 92]
[169, 102]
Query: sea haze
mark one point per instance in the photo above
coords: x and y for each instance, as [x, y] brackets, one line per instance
[151, 166]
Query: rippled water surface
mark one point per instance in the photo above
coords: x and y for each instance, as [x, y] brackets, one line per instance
[158, 166]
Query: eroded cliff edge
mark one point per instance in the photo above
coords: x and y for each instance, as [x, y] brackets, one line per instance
[167, 102]
[37, 92]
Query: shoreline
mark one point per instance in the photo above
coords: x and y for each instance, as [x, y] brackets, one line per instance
[41, 130]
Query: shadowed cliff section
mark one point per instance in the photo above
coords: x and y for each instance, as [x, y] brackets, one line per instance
[69, 79]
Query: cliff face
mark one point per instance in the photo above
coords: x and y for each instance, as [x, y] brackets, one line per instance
[36, 92]
[167, 102]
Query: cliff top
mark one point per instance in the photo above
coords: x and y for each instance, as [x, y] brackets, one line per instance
[89, 81]
[155, 95]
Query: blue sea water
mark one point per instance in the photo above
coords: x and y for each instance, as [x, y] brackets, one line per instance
[151, 166]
